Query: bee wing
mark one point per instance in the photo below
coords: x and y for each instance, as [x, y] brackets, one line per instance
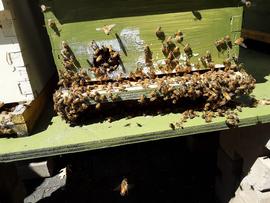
[109, 27]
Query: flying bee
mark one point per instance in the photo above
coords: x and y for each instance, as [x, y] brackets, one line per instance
[246, 3]
[124, 187]
[160, 34]
[240, 42]
[106, 28]
[44, 8]
[188, 51]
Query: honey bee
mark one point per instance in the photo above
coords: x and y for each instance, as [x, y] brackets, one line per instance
[148, 56]
[228, 41]
[172, 126]
[99, 58]
[179, 37]
[188, 51]
[160, 34]
[176, 52]
[44, 8]
[98, 105]
[240, 42]
[107, 28]
[246, 3]
[170, 43]
[142, 99]
[124, 187]
[53, 26]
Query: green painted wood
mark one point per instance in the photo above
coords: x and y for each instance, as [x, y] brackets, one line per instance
[78, 22]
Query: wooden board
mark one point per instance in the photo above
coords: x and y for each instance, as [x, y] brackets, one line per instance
[136, 22]
[24, 117]
[53, 136]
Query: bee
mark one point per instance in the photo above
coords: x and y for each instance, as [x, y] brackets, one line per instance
[170, 43]
[179, 37]
[197, 15]
[98, 105]
[188, 51]
[115, 55]
[228, 41]
[176, 52]
[107, 28]
[142, 99]
[240, 42]
[124, 187]
[246, 3]
[127, 125]
[115, 97]
[148, 56]
[99, 58]
[208, 57]
[172, 126]
[44, 8]
[160, 34]
[53, 26]
[227, 96]
[165, 50]
[139, 125]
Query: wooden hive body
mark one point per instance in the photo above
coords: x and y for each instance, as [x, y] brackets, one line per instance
[25, 66]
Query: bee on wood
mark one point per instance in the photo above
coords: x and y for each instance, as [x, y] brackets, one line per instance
[176, 52]
[165, 50]
[53, 26]
[188, 51]
[170, 44]
[172, 126]
[179, 37]
[160, 34]
[98, 105]
[148, 56]
[208, 56]
[240, 42]
[142, 99]
[228, 41]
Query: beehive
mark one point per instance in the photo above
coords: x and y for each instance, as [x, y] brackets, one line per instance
[25, 67]
[134, 27]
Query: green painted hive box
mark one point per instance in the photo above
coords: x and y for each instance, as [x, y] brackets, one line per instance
[202, 22]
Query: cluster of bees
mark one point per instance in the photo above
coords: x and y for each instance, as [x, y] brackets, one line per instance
[214, 89]
[171, 52]
[69, 60]
[105, 59]
[6, 126]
